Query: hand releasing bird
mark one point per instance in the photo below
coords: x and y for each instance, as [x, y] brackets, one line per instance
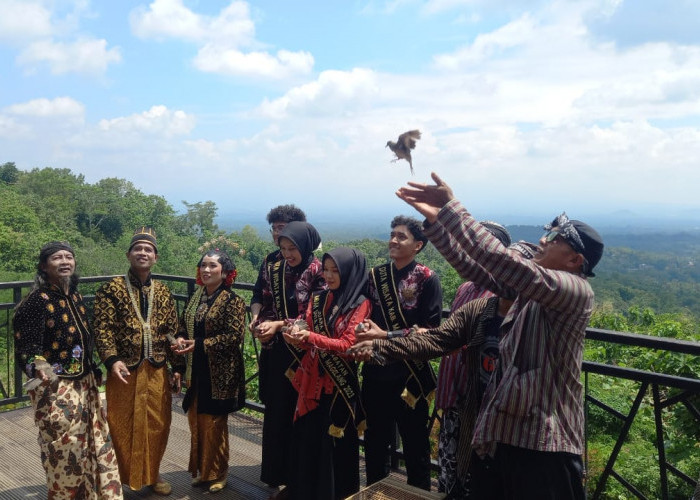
[402, 148]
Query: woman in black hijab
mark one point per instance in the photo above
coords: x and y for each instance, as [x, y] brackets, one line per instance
[288, 285]
[329, 415]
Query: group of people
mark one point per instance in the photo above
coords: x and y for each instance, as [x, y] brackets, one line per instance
[148, 353]
[508, 386]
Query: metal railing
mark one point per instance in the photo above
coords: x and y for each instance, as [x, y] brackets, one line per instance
[683, 389]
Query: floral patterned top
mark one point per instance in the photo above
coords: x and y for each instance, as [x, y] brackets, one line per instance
[420, 297]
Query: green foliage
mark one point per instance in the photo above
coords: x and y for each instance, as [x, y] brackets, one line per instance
[9, 173]
[638, 460]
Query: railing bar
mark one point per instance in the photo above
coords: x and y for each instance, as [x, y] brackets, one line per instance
[586, 400]
[680, 475]
[692, 409]
[620, 440]
[605, 407]
[678, 398]
[17, 297]
[628, 485]
[660, 448]
[639, 340]
[643, 376]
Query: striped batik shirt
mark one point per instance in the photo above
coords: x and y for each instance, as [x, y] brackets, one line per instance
[452, 376]
[534, 400]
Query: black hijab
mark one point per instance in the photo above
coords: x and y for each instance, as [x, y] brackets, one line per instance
[352, 292]
[305, 238]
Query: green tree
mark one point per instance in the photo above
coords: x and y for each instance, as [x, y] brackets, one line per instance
[199, 220]
[9, 173]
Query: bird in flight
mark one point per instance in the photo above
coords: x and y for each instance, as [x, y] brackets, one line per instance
[403, 146]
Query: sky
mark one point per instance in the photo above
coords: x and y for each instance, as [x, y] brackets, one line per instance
[526, 108]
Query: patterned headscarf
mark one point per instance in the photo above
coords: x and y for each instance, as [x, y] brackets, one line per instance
[582, 238]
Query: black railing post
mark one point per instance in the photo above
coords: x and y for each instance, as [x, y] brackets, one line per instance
[16, 297]
[620, 440]
[663, 475]
[585, 433]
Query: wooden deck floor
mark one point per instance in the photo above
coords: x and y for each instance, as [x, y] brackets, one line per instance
[23, 477]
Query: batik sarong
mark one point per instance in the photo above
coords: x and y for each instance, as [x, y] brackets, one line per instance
[76, 449]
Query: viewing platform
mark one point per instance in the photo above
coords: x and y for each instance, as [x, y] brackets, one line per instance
[652, 394]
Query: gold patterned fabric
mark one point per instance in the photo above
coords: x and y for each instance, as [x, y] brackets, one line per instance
[224, 328]
[118, 331]
[139, 412]
[139, 415]
[76, 450]
[209, 451]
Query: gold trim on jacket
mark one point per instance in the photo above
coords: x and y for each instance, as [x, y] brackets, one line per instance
[119, 333]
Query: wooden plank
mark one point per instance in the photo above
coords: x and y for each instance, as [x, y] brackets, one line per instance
[23, 477]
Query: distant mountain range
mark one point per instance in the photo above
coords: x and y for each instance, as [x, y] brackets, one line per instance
[619, 229]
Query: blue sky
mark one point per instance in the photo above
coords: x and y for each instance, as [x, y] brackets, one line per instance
[527, 108]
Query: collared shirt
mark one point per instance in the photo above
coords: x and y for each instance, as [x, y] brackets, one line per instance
[534, 400]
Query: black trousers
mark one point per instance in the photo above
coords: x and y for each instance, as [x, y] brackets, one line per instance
[539, 475]
[386, 410]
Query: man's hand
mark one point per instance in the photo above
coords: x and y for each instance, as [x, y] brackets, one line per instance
[427, 199]
[361, 351]
[267, 329]
[368, 330]
[251, 325]
[176, 382]
[183, 346]
[254, 313]
[120, 371]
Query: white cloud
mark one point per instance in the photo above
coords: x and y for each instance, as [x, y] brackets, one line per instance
[59, 107]
[168, 19]
[485, 46]
[285, 64]
[45, 33]
[221, 40]
[23, 20]
[159, 120]
[85, 56]
[333, 92]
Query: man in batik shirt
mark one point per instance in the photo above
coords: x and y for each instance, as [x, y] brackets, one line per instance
[531, 421]
[452, 382]
[404, 294]
[54, 346]
[133, 316]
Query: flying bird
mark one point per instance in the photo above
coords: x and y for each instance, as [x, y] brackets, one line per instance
[403, 146]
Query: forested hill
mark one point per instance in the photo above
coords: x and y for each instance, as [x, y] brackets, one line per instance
[659, 272]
